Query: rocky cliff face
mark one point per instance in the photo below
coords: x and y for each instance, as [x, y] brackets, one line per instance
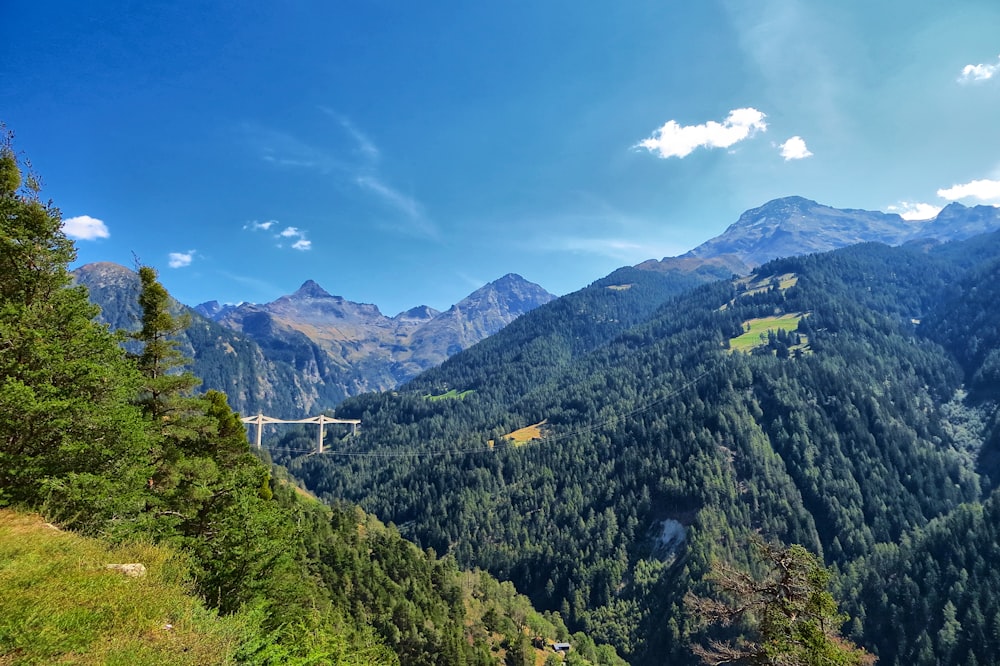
[309, 350]
[225, 360]
[366, 350]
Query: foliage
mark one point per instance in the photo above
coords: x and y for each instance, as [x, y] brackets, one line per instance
[70, 438]
[857, 444]
[123, 446]
[791, 618]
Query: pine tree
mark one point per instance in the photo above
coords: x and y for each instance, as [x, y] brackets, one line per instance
[71, 442]
[792, 619]
[207, 493]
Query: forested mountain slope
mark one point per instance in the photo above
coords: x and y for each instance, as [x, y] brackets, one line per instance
[253, 379]
[119, 445]
[661, 447]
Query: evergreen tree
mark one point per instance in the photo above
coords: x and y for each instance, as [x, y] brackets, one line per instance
[207, 491]
[70, 439]
[790, 614]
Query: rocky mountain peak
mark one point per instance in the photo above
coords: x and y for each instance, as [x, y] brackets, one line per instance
[419, 313]
[310, 289]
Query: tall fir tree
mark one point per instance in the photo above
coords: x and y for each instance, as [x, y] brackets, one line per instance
[71, 441]
[207, 492]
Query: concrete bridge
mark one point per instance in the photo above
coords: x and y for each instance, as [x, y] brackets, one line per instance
[260, 421]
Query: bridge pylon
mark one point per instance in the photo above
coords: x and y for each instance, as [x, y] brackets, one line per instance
[260, 420]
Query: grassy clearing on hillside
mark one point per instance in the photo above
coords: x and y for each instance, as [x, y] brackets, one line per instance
[522, 436]
[450, 395]
[60, 604]
[751, 285]
[754, 285]
[755, 328]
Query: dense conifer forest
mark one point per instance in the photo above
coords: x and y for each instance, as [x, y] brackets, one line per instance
[106, 435]
[867, 433]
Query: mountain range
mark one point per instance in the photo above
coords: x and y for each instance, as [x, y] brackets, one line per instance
[793, 226]
[603, 450]
[309, 350]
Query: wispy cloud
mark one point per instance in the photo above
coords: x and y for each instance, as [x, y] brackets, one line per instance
[265, 288]
[979, 73]
[676, 140]
[984, 190]
[912, 210]
[259, 226]
[471, 280]
[364, 146]
[360, 168]
[591, 225]
[622, 249]
[795, 149]
[286, 150]
[394, 198]
[85, 227]
[180, 259]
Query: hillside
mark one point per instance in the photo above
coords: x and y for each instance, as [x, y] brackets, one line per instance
[661, 451]
[120, 446]
[253, 379]
[60, 603]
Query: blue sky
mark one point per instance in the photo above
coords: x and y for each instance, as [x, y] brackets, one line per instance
[405, 153]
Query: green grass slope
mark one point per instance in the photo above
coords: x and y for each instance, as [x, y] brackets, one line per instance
[59, 603]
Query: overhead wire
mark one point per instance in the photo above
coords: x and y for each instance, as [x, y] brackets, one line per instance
[505, 445]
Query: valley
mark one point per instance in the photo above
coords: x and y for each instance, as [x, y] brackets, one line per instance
[601, 450]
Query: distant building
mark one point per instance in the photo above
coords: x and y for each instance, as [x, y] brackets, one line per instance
[560, 647]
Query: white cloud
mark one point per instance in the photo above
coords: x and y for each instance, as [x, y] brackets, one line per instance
[911, 210]
[181, 259]
[259, 226]
[289, 232]
[85, 227]
[984, 190]
[795, 149]
[301, 243]
[977, 73]
[676, 140]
